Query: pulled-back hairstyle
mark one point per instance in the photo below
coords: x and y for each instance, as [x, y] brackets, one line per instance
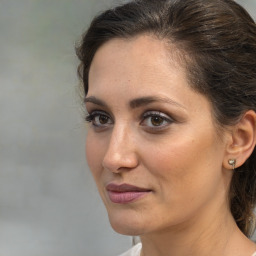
[218, 39]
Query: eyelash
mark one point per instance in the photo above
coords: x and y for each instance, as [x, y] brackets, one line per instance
[145, 116]
[90, 118]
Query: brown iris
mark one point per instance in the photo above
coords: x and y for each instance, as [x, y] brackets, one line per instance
[103, 119]
[157, 120]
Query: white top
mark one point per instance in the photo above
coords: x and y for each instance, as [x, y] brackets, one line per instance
[135, 251]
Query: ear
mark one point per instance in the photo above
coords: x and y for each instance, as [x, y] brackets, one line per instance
[242, 140]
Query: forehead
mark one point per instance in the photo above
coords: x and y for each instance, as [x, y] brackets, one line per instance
[135, 60]
[141, 46]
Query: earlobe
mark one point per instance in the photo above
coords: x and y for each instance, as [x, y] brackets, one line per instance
[242, 141]
[232, 162]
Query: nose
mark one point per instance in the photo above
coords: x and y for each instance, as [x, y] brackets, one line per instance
[121, 154]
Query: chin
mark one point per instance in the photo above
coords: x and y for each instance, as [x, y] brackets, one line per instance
[126, 230]
[127, 226]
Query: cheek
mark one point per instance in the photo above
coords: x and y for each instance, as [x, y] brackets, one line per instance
[94, 155]
[168, 157]
[185, 164]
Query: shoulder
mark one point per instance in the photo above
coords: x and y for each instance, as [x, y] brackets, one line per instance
[134, 251]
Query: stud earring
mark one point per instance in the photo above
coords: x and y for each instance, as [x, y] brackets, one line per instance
[232, 162]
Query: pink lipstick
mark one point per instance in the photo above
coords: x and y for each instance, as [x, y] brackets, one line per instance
[125, 193]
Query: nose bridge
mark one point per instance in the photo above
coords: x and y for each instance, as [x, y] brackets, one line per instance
[118, 142]
[121, 151]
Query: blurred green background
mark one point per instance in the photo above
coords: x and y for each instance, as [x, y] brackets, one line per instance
[48, 202]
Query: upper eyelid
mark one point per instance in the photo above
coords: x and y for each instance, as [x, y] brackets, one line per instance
[154, 112]
[157, 113]
[100, 112]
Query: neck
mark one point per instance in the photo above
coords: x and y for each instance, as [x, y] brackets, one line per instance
[214, 235]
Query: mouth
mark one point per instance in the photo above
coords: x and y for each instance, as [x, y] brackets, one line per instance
[125, 193]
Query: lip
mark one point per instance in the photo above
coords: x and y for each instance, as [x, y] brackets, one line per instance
[125, 193]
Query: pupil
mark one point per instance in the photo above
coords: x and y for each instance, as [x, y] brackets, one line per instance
[103, 119]
[156, 120]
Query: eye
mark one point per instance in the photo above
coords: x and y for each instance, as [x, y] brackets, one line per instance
[99, 119]
[156, 119]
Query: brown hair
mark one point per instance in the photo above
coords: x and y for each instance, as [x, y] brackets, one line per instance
[219, 38]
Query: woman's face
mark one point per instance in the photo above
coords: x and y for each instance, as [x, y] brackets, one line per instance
[152, 145]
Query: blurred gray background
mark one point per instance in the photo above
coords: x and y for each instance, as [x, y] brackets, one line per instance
[49, 205]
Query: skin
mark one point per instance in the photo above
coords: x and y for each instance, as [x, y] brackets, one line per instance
[168, 145]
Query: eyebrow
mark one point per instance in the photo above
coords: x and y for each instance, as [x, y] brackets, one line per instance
[136, 103]
[96, 101]
[140, 102]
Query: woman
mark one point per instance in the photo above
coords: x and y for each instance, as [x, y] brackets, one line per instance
[170, 90]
